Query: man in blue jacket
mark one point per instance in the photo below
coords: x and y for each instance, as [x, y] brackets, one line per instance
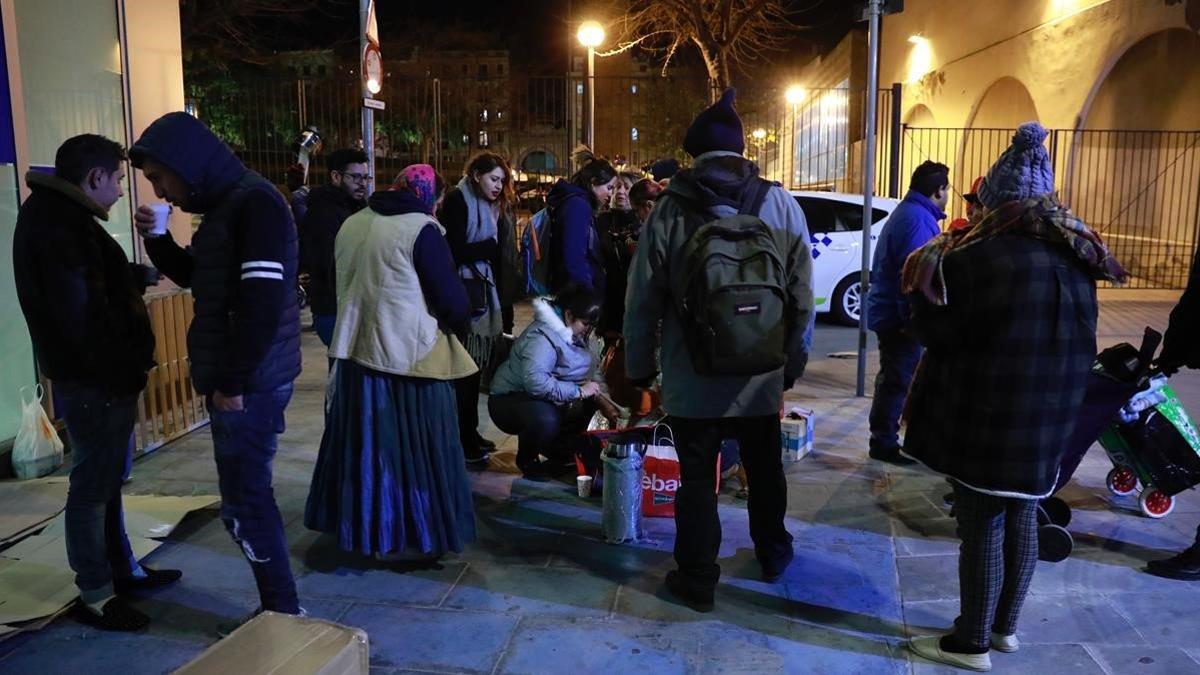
[244, 342]
[911, 226]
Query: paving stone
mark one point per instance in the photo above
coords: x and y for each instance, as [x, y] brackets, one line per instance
[101, 652]
[383, 583]
[533, 591]
[1144, 659]
[928, 577]
[431, 639]
[205, 566]
[807, 650]
[597, 647]
[1163, 618]
[1030, 659]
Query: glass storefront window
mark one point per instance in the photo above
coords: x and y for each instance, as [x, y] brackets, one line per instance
[73, 85]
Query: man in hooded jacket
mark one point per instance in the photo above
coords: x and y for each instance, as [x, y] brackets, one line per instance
[244, 342]
[704, 409]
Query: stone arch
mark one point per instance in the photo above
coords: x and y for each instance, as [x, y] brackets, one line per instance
[1002, 107]
[1152, 84]
[1005, 104]
[1134, 156]
[539, 160]
[920, 116]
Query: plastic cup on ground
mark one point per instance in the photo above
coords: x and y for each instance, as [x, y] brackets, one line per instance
[584, 485]
[161, 213]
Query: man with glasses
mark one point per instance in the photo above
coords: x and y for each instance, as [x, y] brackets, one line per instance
[328, 207]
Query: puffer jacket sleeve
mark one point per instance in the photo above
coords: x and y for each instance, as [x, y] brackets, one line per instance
[800, 285]
[538, 357]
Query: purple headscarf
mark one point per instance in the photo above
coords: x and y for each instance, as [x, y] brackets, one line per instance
[421, 180]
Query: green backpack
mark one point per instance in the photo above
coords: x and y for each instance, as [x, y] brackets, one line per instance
[732, 293]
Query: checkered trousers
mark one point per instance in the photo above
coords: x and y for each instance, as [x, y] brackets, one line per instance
[996, 561]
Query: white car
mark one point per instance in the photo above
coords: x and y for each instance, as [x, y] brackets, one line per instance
[835, 233]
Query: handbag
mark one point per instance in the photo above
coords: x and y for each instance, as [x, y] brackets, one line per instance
[477, 295]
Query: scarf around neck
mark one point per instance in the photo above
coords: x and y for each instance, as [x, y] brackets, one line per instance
[1040, 217]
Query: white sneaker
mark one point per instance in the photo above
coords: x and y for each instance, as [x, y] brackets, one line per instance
[930, 647]
[1005, 643]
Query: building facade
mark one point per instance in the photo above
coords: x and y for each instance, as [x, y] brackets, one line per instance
[75, 67]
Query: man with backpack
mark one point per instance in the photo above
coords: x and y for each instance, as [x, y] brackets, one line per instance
[724, 266]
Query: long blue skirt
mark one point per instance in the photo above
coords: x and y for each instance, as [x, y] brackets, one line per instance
[390, 476]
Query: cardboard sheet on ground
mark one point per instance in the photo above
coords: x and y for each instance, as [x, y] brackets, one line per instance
[31, 590]
[26, 504]
[150, 516]
[35, 579]
[52, 549]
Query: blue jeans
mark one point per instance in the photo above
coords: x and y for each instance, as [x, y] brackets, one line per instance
[898, 357]
[244, 444]
[100, 428]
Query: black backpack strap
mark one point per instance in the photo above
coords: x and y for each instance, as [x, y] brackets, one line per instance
[755, 196]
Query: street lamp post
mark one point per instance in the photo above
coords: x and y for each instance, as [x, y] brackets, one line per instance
[874, 9]
[591, 35]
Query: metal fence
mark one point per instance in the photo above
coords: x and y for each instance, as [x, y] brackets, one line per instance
[1139, 189]
[537, 121]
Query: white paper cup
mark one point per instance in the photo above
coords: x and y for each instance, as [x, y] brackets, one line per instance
[161, 213]
[584, 485]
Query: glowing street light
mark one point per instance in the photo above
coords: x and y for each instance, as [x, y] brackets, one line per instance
[591, 35]
[759, 134]
[795, 94]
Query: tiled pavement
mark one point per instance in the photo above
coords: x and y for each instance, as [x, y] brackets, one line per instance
[541, 592]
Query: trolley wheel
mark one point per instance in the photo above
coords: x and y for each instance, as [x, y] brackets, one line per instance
[1121, 481]
[1155, 504]
[1054, 543]
[1057, 510]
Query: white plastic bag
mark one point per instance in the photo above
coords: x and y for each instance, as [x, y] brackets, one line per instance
[37, 450]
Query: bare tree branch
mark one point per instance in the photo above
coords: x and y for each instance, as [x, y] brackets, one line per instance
[728, 34]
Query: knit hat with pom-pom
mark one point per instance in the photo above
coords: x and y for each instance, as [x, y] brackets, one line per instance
[1023, 171]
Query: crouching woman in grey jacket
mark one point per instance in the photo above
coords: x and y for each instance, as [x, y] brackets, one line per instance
[545, 391]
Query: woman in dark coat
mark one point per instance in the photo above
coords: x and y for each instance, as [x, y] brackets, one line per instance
[1007, 314]
[478, 218]
[575, 241]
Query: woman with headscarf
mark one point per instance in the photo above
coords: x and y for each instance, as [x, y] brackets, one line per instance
[390, 480]
[477, 215]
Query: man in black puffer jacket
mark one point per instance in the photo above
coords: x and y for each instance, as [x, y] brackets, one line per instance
[82, 301]
[244, 342]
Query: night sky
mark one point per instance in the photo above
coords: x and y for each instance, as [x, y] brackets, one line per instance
[537, 33]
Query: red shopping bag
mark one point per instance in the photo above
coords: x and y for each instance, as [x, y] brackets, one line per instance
[660, 474]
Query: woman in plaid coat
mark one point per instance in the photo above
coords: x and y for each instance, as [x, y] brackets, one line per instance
[1007, 313]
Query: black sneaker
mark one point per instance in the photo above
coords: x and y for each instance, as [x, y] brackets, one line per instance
[153, 579]
[484, 444]
[1183, 567]
[116, 615]
[890, 456]
[698, 599]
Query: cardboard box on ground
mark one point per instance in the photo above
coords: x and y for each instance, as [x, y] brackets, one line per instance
[279, 644]
[796, 433]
